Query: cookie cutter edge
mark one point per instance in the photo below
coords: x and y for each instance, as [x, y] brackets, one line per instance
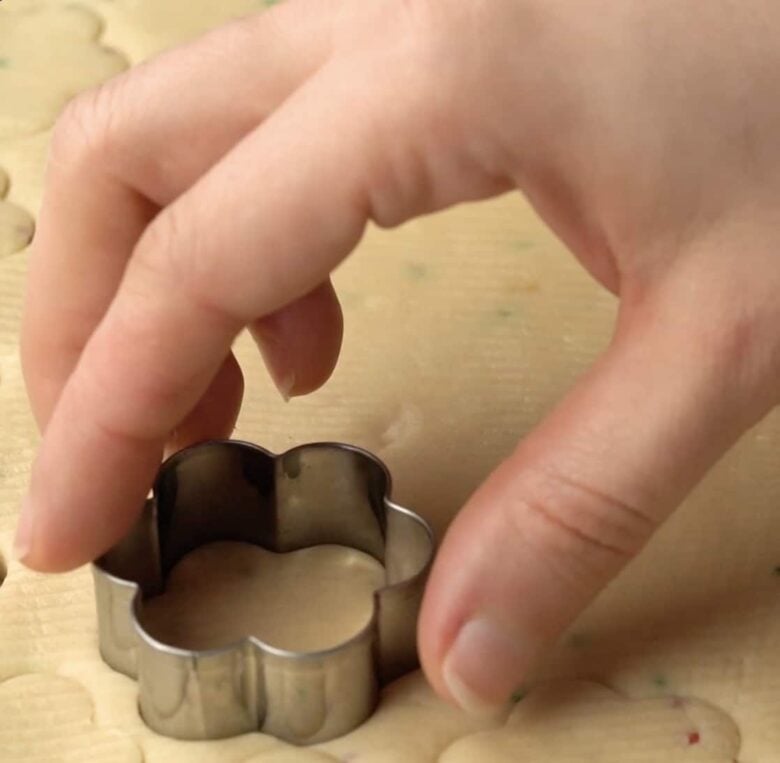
[249, 685]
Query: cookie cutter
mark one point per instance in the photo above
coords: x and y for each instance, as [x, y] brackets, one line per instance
[234, 491]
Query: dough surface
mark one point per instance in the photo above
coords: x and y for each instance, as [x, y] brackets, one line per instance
[47, 718]
[305, 600]
[572, 721]
[676, 661]
[47, 55]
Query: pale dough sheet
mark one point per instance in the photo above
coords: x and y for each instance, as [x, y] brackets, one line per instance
[461, 331]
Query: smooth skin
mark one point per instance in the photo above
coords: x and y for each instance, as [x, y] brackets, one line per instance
[216, 188]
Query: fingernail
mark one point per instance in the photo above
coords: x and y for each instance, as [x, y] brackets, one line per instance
[484, 667]
[24, 532]
[285, 384]
[275, 357]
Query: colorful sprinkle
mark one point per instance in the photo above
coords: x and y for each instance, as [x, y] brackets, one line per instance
[776, 571]
[4, 62]
[416, 270]
[519, 695]
[504, 312]
[694, 738]
[660, 681]
[579, 640]
[522, 245]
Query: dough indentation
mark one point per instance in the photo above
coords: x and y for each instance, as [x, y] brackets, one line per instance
[304, 600]
[46, 717]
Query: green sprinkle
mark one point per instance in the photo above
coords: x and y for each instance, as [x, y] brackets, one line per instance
[519, 695]
[416, 271]
[269, 3]
[5, 63]
[522, 245]
[660, 681]
[504, 312]
[579, 640]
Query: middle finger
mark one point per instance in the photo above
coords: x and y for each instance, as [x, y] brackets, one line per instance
[126, 150]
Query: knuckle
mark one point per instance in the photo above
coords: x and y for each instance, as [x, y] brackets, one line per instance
[435, 66]
[581, 530]
[732, 319]
[85, 128]
[747, 342]
[161, 248]
[171, 256]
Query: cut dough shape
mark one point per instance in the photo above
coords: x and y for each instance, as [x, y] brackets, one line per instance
[462, 330]
[16, 226]
[142, 28]
[48, 718]
[294, 756]
[48, 55]
[582, 722]
[45, 620]
[304, 600]
[411, 725]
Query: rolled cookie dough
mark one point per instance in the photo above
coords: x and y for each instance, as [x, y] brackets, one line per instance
[47, 55]
[486, 290]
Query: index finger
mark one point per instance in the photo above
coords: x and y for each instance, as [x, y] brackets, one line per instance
[360, 140]
[194, 281]
[122, 152]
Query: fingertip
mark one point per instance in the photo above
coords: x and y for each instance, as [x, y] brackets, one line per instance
[484, 666]
[42, 546]
[301, 342]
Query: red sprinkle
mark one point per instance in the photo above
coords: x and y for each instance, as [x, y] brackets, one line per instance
[694, 737]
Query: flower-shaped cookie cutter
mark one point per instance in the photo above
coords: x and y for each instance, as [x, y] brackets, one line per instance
[324, 493]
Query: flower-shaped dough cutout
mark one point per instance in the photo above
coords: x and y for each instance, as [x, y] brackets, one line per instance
[584, 722]
[305, 600]
[46, 717]
[143, 28]
[47, 56]
[411, 724]
[16, 226]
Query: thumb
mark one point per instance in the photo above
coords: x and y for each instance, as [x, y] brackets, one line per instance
[583, 493]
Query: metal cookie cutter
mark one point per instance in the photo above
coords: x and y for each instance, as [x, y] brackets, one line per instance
[311, 495]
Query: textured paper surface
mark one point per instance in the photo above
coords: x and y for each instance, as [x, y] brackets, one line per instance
[461, 331]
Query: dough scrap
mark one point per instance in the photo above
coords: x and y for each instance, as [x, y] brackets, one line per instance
[485, 290]
[582, 722]
[45, 620]
[411, 725]
[16, 226]
[143, 28]
[49, 718]
[296, 755]
[36, 42]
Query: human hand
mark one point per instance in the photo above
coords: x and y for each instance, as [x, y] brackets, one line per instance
[218, 186]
